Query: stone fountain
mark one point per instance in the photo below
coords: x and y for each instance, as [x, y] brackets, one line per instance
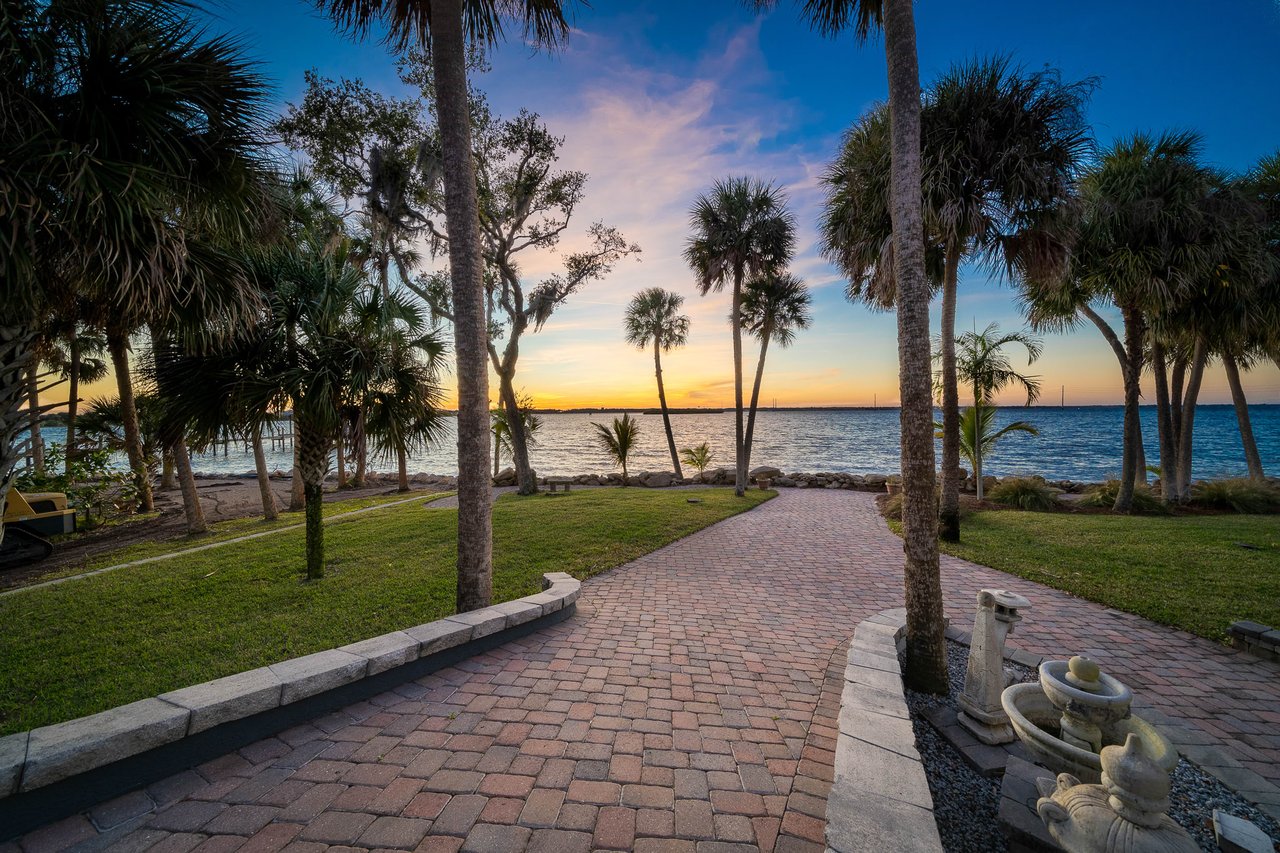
[1075, 712]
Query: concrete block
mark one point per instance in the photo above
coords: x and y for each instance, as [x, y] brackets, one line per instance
[857, 698]
[549, 579]
[13, 754]
[885, 663]
[549, 602]
[518, 612]
[874, 632]
[878, 678]
[1245, 628]
[439, 635]
[385, 652]
[892, 733]
[65, 749]
[1237, 835]
[483, 622]
[858, 821]
[1270, 638]
[568, 591]
[312, 674]
[872, 770]
[232, 698]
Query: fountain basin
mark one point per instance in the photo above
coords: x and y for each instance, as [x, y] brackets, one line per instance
[1108, 703]
[1035, 719]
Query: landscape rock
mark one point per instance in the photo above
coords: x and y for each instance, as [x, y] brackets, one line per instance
[506, 477]
[765, 472]
[658, 479]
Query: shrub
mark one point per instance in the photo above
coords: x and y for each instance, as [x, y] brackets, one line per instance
[1025, 493]
[1238, 495]
[1145, 501]
[891, 506]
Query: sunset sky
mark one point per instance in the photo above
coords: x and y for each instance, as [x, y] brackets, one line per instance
[657, 100]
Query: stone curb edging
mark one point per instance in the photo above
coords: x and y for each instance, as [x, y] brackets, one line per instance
[1261, 641]
[1192, 743]
[880, 798]
[32, 760]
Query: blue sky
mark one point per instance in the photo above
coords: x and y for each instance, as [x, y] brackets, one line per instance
[657, 100]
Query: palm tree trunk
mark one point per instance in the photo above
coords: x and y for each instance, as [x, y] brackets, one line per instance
[497, 454]
[167, 483]
[118, 346]
[475, 521]
[269, 510]
[1194, 378]
[1164, 420]
[15, 353]
[33, 407]
[977, 449]
[767, 333]
[949, 505]
[735, 318]
[73, 399]
[190, 497]
[1251, 456]
[926, 660]
[313, 457]
[1134, 332]
[360, 447]
[402, 470]
[1177, 385]
[666, 416]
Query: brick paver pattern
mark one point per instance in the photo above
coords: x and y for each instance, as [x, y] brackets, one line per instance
[681, 709]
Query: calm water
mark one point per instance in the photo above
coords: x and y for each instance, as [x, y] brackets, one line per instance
[1077, 443]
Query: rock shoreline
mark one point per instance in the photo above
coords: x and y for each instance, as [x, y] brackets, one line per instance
[662, 479]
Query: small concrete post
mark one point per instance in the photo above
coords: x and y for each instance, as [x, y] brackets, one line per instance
[984, 680]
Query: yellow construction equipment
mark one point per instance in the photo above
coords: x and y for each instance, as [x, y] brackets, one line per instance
[29, 521]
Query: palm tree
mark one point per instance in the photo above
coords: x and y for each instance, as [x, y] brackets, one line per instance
[982, 192]
[698, 457]
[982, 363]
[77, 356]
[741, 229]
[1138, 244]
[445, 26]
[978, 435]
[174, 120]
[654, 315]
[773, 307]
[926, 661]
[618, 439]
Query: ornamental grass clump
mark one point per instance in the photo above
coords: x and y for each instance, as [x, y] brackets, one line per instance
[1025, 493]
[1238, 495]
[1145, 501]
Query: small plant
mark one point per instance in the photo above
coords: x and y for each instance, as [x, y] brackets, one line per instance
[1025, 493]
[1145, 501]
[1238, 495]
[698, 457]
[618, 439]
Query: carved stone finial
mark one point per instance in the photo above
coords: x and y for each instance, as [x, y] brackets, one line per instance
[980, 709]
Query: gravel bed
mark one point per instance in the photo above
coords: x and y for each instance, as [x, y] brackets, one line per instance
[966, 803]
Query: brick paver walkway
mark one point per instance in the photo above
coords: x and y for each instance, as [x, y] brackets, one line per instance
[682, 709]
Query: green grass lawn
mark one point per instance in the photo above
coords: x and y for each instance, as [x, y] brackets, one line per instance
[87, 645]
[1186, 571]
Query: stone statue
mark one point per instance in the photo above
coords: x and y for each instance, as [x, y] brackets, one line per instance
[1124, 814]
[984, 679]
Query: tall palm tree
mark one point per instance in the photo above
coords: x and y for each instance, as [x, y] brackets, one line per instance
[741, 228]
[618, 439]
[1138, 243]
[654, 315]
[983, 364]
[926, 662]
[982, 191]
[773, 307]
[174, 119]
[445, 26]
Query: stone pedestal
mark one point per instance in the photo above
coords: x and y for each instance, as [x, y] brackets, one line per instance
[981, 712]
